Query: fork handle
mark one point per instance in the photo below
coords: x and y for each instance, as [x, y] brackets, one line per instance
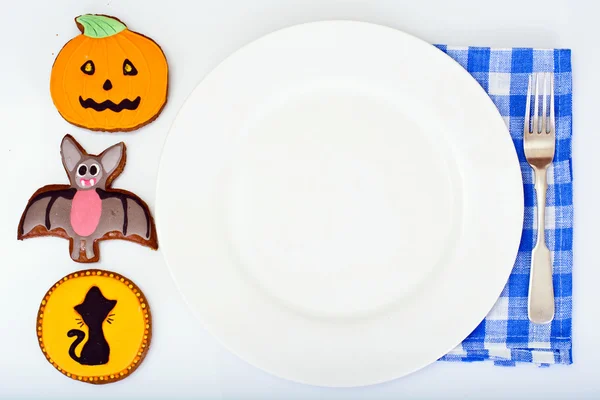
[540, 306]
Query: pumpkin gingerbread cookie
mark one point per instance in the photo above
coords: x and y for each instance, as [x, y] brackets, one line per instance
[109, 78]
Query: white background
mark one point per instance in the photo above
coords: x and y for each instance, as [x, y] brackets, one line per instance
[184, 361]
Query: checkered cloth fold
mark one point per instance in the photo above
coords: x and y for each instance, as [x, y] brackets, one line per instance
[506, 336]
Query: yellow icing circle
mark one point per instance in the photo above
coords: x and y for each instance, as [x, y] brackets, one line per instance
[126, 328]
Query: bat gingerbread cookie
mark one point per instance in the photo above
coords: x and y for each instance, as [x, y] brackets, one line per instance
[88, 210]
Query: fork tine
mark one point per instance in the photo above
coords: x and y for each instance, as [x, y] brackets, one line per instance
[544, 104]
[527, 106]
[536, 104]
[552, 126]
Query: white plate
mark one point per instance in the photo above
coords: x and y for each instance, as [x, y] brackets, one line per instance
[340, 203]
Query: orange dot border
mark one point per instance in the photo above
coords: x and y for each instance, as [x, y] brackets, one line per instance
[143, 348]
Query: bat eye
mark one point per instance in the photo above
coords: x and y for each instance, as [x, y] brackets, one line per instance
[81, 170]
[94, 170]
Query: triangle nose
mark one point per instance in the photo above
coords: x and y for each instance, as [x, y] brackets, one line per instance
[107, 85]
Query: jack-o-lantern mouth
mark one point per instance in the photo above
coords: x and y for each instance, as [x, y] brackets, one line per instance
[124, 104]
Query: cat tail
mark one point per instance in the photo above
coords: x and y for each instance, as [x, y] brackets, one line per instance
[80, 336]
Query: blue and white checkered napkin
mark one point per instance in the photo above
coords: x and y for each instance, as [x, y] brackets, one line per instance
[506, 336]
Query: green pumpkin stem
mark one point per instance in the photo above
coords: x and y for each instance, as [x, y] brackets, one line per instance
[99, 26]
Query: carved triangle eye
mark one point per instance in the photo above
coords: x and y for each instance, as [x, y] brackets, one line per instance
[129, 68]
[88, 67]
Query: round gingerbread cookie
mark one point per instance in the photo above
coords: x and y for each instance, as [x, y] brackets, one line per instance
[94, 326]
[109, 78]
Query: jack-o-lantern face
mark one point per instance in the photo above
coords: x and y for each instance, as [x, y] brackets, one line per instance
[109, 78]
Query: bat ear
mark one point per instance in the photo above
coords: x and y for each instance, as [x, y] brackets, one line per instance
[71, 152]
[111, 158]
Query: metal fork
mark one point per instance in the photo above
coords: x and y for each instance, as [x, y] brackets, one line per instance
[539, 152]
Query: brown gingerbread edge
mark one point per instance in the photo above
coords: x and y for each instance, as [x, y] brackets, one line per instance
[151, 119]
[148, 336]
[41, 231]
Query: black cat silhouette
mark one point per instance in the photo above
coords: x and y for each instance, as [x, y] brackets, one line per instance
[94, 310]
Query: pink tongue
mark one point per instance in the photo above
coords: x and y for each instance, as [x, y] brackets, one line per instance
[86, 182]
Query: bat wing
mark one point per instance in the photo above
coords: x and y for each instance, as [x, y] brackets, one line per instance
[127, 218]
[44, 210]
